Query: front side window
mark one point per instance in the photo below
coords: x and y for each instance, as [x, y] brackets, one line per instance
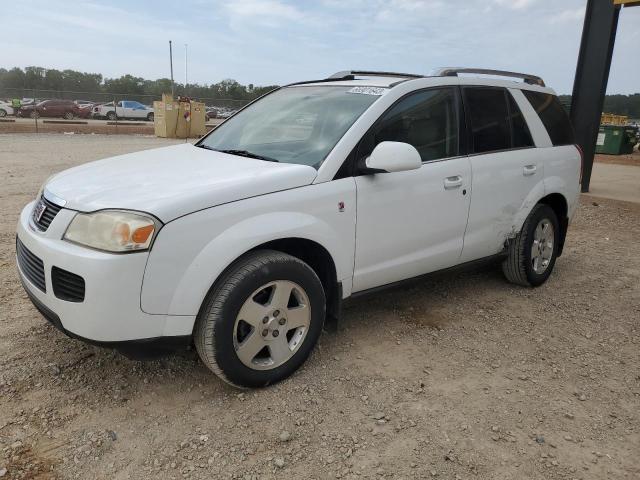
[489, 117]
[427, 119]
[299, 124]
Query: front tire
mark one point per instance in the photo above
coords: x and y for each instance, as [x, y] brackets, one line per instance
[68, 116]
[532, 254]
[112, 116]
[261, 319]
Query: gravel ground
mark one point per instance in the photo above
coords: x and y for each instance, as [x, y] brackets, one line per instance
[460, 377]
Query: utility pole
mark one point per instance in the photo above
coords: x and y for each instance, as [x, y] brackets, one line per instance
[171, 65]
[186, 77]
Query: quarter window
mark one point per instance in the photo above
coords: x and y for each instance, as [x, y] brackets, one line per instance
[553, 115]
[428, 120]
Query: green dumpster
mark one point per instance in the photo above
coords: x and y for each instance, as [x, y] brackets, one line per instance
[615, 140]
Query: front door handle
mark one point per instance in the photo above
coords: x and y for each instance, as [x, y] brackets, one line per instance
[529, 170]
[452, 182]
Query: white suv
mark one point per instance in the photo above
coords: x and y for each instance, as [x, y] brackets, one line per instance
[248, 242]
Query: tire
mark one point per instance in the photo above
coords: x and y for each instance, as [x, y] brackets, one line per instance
[520, 267]
[221, 334]
[68, 116]
[112, 116]
[150, 117]
[3, 113]
[34, 114]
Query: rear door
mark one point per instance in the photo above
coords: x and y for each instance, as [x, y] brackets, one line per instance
[411, 223]
[507, 169]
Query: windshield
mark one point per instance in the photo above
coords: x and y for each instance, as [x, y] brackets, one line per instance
[294, 124]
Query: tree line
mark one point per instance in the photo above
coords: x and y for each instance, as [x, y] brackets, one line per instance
[39, 78]
[49, 79]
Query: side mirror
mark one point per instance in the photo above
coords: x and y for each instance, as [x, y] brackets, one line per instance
[392, 157]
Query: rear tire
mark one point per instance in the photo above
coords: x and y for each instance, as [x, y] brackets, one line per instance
[532, 254]
[68, 116]
[34, 114]
[150, 117]
[3, 113]
[261, 319]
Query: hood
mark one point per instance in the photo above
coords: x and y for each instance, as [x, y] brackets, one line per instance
[173, 181]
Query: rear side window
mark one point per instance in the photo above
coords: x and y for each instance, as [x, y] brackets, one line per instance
[520, 130]
[489, 116]
[554, 117]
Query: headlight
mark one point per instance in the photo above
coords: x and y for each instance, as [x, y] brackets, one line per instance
[112, 230]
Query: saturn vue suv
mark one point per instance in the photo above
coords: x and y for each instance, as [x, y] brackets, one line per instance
[246, 243]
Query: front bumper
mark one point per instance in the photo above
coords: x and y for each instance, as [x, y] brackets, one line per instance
[110, 314]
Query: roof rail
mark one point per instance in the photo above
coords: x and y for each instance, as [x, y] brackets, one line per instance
[351, 73]
[454, 72]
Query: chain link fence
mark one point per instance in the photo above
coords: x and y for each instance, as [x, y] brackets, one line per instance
[35, 95]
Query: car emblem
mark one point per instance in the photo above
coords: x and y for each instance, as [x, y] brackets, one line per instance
[39, 211]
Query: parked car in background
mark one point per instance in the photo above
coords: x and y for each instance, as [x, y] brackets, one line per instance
[124, 109]
[246, 242]
[5, 109]
[50, 108]
[210, 112]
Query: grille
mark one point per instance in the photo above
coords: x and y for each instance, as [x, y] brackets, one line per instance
[67, 286]
[44, 212]
[31, 266]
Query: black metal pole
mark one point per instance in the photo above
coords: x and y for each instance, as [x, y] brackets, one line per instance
[592, 74]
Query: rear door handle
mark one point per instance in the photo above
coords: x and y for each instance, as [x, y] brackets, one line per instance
[452, 182]
[529, 170]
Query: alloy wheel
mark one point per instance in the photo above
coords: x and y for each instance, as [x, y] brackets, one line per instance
[542, 247]
[272, 325]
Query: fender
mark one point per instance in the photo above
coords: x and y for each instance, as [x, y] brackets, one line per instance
[535, 195]
[182, 268]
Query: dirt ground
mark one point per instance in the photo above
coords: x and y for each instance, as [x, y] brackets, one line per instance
[460, 377]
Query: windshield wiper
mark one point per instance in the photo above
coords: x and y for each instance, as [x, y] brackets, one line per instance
[248, 154]
[240, 153]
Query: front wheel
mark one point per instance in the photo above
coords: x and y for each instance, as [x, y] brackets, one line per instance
[3, 113]
[261, 320]
[532, 254]
[34, 114]
[112, 116]
[68, 115]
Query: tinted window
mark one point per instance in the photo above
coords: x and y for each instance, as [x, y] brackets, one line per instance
[489, 118]
[428, 120]
[554, 117]
[520, 130]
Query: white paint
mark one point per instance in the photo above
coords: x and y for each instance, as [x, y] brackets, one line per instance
[377, 228]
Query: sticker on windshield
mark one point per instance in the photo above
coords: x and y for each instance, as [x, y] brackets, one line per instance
[368, 90]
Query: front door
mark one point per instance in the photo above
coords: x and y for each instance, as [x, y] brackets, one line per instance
[411, 223]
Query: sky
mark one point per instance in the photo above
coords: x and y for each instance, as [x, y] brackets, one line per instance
[267, 42]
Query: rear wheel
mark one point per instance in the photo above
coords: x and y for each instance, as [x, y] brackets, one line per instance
[34, 114]
[533, 253]
[111, 116]
[3, 113]
[68, 115]
[150, 117]
[261, 320]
